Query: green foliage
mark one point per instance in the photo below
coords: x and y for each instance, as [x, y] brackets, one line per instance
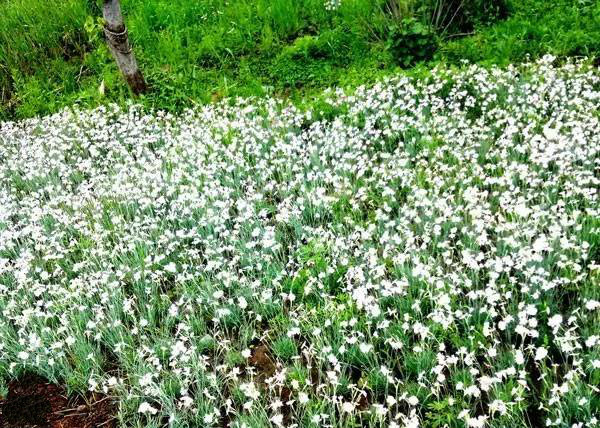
[312, 60]
[377, 382]
[484, 12]
[449, 17]
[562, 28]
[285, 348]
[39, 40]
[412, 42]
[472, 14]
[53, 54]
[442, 414]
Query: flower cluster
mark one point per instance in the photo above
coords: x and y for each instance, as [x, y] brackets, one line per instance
[332, 5]
[423, 252]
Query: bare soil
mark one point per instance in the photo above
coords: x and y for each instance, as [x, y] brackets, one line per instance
[32, 402]
[262, 361]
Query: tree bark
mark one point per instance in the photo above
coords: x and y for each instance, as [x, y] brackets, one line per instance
[118, 42]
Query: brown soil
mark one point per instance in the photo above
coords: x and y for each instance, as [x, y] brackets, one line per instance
[261, 360]
[286, 410]
[32, 402]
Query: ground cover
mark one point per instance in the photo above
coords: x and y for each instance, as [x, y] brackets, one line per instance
[421, 252]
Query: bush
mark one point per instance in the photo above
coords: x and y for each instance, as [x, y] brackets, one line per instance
[412, 42]
[416, 28]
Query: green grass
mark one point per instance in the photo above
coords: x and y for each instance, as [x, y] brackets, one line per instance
[52, 53]
[562, 28]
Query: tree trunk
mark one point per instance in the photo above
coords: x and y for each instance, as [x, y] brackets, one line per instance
[118, 41]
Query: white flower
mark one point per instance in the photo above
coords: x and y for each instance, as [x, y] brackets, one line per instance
[472, 391]
[551, 133]
[249, 389]
[522, 210]
[498, 406]
[146, 408]
[348, 407]
[365, 348]
[146, 380]
[186, 401]
[519, 358]
[295, 331]
[412, 400]
[541, 244]
[478, 422]
[591, 305]
[171, 267]
[277, 420]
[540, 353]
[555, 321]
[332, 5]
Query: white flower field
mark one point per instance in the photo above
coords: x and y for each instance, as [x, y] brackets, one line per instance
[420, 253]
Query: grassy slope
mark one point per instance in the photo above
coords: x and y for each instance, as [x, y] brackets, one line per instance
[563, 28]
[200, 51]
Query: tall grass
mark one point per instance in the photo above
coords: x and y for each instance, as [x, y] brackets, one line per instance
[188, 49]
[561, 27]
[34, 32]
[52, 53]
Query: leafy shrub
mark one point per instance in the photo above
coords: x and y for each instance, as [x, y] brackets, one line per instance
[311, 59]
[412, 42]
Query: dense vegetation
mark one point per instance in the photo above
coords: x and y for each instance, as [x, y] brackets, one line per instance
[52, 52]
[418, 246]
[421, 253]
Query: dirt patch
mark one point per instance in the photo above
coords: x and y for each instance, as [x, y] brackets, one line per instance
[363, 402]
[286, 410]
[262, 361]
[32, 402]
